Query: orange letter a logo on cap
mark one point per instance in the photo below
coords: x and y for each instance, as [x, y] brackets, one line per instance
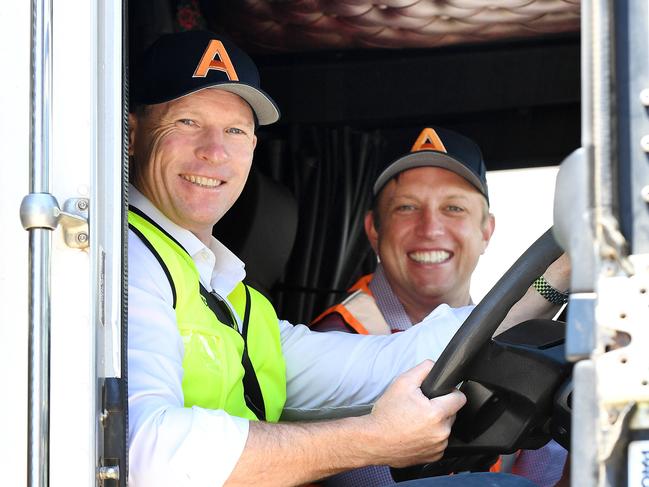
[208, 61]
[428, 140]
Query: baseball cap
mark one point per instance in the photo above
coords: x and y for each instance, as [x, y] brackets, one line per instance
[178, 64]
[438, 147]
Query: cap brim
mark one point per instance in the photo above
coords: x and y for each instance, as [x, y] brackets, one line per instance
[263, 105]
[427, 158]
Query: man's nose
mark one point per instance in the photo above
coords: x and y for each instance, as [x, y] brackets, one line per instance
[430, 224]
[211, 146]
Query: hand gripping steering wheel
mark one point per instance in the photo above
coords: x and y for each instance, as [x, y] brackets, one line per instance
[501, 413]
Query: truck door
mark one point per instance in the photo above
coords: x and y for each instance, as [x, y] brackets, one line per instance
[62, 337]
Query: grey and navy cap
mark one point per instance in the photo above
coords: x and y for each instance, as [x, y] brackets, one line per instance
[178, 64]
[437, 147]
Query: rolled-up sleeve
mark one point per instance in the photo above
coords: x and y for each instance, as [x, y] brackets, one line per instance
[169, 445]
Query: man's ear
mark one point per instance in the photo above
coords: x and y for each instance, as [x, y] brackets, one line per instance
[371, 232]
[488, 231]
[132, 125]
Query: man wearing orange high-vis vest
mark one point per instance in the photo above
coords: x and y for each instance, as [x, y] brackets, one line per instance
[211, 368]
[428, 225]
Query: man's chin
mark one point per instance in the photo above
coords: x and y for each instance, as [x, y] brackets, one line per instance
[433, 291]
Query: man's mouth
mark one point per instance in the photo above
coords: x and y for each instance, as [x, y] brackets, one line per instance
[202, 181]
[430, 256]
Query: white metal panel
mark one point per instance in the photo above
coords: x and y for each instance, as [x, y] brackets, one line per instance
[14, 140]
[73, 375]
[86, 101]
[107, 184]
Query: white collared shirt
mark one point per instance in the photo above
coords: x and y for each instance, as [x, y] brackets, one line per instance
[171, 445]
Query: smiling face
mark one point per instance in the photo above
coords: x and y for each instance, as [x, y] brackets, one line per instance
[191, 156]
[433, 225]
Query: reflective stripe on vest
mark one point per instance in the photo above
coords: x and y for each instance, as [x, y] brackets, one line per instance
[359, 310]
[212, 370]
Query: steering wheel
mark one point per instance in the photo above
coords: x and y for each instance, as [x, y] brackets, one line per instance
[533, 351]
[488, 314]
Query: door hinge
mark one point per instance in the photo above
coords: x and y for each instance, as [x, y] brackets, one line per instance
[41, 210]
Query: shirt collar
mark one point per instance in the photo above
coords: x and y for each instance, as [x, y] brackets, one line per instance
[219, 269]
[387, 302]
[390, 305]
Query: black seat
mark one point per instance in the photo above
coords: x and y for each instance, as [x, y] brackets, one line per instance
[260, 229]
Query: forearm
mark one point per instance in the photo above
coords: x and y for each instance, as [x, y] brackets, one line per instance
[532, 304]
[404, 428]
[297, 453]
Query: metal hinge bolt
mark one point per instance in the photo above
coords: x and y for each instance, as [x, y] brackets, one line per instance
[108, 473]
[644, 97]
[644, 192]
[644, 143]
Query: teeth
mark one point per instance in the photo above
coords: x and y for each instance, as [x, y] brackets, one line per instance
[429, 257]
[201, 180]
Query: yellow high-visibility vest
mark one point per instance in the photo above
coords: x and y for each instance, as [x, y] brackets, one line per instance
[212, 368]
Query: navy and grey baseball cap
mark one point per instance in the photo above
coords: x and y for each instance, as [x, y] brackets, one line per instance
[178, 64]
[437, 147]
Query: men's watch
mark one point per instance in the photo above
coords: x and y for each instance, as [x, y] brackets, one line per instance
[544, 288]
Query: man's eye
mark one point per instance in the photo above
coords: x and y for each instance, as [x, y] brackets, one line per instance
[403, 208]
[455, 209]
[235, 130]
[187, 121]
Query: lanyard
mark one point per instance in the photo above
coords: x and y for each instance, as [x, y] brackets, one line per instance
[251, 389]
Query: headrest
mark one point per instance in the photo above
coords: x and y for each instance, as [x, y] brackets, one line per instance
[260, 229]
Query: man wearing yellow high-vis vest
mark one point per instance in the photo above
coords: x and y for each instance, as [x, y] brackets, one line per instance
[211, 368]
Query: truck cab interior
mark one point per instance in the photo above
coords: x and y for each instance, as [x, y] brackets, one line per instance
[355, 81]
